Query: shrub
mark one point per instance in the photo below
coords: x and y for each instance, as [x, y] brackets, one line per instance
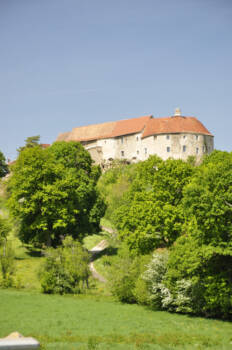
[6, 255]
[154, 277]
[124, 278]
[6, 264]
[206, 272]
[65, 269]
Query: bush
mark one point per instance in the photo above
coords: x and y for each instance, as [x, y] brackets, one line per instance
[124, 277]
[6, 255]
[65, 269]
[191, 278]
[154, 276]
[6, 264]
[199, 277]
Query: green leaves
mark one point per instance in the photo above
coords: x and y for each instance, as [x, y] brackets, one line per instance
[3, 166]
[53, 193]
[65, 269]
[151, 215]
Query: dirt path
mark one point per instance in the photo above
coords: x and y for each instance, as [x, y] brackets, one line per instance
[94, 252]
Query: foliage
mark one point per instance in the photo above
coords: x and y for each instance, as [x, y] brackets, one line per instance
[152, 215]
[154, 277]
[3, 166]
[207, 269]
[124, 277]
[30, 141]
[6, 263]
[197, 277]
[4, 228]
[114, 183]
[65, 269]
[53, 193]
[208, 198]
[6, 255]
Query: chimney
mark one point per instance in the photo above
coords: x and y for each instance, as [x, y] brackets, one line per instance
[177, 112]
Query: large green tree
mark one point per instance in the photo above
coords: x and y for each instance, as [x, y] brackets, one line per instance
[3, 166]
[203, 255]
[53, 193]
[151, 215]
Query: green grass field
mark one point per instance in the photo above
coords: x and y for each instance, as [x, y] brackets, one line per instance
[87, 322]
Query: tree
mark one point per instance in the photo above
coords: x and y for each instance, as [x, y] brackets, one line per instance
[203, 255]
[152, 215]
[3, 166]
[208, 198]
[30, 141]
[53, 193]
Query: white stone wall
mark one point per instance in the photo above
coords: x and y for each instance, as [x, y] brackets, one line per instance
[133, 148]
[108, 148]
[179, 146]
[129, 147]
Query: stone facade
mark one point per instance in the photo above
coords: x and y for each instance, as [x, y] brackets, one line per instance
[136, 139]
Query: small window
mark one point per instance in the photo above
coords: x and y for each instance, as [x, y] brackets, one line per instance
[145, 150]
[184, 148]
[184, 136]
[137, 152]
[155, 137]
[167, 137]
[122, 153]
[168, 149]
[196, 137]
[121, 140]
[137, 138]
[105, 141]
[197, 150]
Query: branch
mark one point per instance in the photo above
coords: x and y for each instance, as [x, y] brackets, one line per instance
[229, 204]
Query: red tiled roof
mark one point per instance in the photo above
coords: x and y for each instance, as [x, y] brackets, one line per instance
[106, 130]
[130, 126]
[45, 145]
[176, 124]
[91, 132]
[147, 124]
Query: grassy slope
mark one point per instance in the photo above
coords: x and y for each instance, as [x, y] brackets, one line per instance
[65, 322]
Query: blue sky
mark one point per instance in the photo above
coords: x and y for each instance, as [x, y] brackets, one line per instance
[67, 63]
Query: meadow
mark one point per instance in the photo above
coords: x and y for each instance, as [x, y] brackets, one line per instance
[94, 322]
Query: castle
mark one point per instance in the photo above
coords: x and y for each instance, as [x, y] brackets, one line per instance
[136, 139]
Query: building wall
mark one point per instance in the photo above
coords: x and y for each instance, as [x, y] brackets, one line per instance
[108, 147]
[179, 146]
[133, 148]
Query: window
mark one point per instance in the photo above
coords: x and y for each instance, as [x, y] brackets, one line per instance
[145, 150]
[184, 136]
[196, 137]
[168, 149]
[121, 140]
[105, 141]
[167, 137]
[137, 152]
[155, 137]
[137, 138]
[184, 148]
[122, 153]
[197, 150]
